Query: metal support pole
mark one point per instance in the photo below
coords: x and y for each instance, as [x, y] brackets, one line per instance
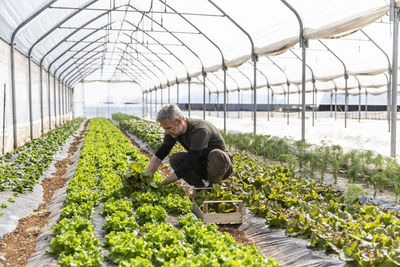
[30, 97]
[395, 16]
[59, 103]
[255, 58]
[4, 118]
[313, 102]
[287, 106]
[41, 100]
[151, 107]
[155, 101]
[335, 102]
[272, 98]
[366, 103]
[359, 103]
[189, 108]
[204, 94]
[330, 107]
[55, 105]
[162, 97]
[48, 97]
[169, 94]
[346, 100]
[268, 111]
[177, 92]
[217, 104]
[209, 103]
[225, 90]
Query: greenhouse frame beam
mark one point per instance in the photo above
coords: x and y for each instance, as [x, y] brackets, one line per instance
[359, 98]
[394, 12]
[268, 88]
[134, 11]
[287, 84]
[314, 88]
[126, 30]
[390, 75]
[29, 62]
[13, 87]
[303, 45]
[183, 43]
[203, 72]
[346, 98]
[163, 46]
[254, 57]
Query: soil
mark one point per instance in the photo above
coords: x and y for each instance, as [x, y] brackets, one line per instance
[239, 236]
[17, 246]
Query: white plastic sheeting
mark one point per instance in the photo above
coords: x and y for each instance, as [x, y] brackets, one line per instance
[157, 43]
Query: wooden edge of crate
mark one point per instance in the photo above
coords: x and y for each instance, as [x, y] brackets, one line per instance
[239, 207]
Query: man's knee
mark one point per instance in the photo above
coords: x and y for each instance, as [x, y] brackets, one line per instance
[177, 159]
[218, 165]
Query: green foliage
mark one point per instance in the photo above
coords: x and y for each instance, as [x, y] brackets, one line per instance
[21, 169]
[150, 213]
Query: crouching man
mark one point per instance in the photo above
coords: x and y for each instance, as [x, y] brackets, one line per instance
[207, 157]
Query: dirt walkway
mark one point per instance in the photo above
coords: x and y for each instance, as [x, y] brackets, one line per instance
[17, 246]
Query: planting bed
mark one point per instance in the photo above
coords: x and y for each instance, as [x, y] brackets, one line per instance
[358, 234]
[116, 213]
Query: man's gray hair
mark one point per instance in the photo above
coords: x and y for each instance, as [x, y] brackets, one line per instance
[171, 112]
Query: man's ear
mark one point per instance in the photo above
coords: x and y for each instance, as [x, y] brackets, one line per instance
[179, 120]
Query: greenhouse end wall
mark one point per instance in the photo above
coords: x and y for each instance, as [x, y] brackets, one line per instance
[22, 100]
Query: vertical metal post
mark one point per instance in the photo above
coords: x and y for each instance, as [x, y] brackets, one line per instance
[169, 94]
[239, 103]
[30, 97]
[189, 108]
[268, 106]
[151, 106]
[4, 118]
[162, 97]
[335, 102]
[346, 100]
[394, 79]
[316, 97]
[48, 97]
[209, 103]
[359, 103]
[217, 104]
[272, 102]
[55, 104]
[287, 107]
[59, 103]
[366, 103]
[255, 58]
[330, 107]
[204, 94]
[41, 100]
[313, 102]
[303, 85]
[155, 101]
[177, 92]
[225, 89]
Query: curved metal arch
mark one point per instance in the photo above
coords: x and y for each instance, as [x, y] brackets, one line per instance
[78, 68]
[150, 62]
[132, 58]
[76, 61]
[313, 82]
[29, 63]
[163, 46]
[345, 81]
[268, 88]
[287, 84]
[254, 58]
[13, 96]
[155, 54]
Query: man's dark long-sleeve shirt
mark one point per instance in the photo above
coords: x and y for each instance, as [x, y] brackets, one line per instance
[200, 138]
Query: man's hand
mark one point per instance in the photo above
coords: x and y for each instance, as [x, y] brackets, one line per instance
[170, 179]
[153, 164]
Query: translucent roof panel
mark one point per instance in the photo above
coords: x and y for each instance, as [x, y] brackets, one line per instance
[157, 43]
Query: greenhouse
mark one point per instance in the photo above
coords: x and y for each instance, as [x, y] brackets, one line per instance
[281, 149]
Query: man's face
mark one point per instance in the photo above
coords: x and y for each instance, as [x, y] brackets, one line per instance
[172, 128]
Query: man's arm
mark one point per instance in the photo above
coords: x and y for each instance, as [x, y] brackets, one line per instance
[170, 179]
[153, 164]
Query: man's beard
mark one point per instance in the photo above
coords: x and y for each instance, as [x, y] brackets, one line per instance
[178, 132]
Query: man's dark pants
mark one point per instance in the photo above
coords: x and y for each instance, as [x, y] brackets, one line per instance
[219, 167]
